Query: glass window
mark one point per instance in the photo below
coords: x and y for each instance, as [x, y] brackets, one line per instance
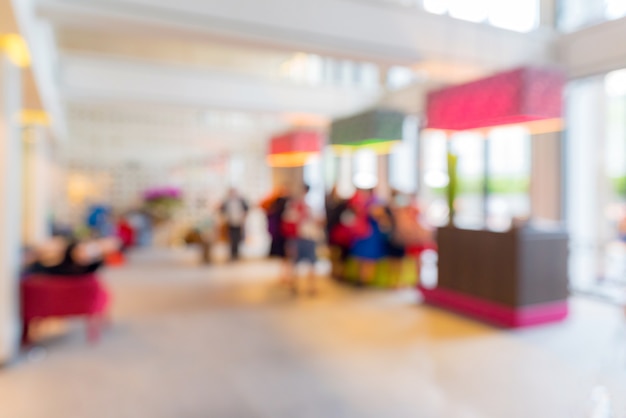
[472, 11]
[596, 186]
[347, 73]
[331, 164]
[575, 14]
[615, 9]
[403, 159]
[615, 83]
[365, 173]
[615, 151]
[345, 186]
[315, 70]
[400, 77]
[517, 15]
[509, 174]
[514, 15]
[470, 149]
[370, 75]
[236, 171]
[436, 6]
[403, 167]
[314, 178]
[612, 189]
[435, 177]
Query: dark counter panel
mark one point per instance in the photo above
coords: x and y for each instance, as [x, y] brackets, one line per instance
[514, 268]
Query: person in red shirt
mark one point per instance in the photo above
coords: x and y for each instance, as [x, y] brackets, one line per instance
[303, 232]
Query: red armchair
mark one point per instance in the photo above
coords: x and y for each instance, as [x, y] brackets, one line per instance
[43, 297]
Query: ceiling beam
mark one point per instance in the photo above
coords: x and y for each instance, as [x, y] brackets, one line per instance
[593, 50]
[381, 33]
[94, 79]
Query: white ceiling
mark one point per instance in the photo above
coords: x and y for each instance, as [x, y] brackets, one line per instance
[140, 79]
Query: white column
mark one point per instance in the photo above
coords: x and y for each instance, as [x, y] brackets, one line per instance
[10, 185]
[37, 184]
[548, 13]
[345, 185]
[586, 122]
[422, 189]
[236, 171]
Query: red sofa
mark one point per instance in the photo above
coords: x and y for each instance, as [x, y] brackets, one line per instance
[43, 296]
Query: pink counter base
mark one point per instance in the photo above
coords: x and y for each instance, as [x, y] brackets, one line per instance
[504, 316]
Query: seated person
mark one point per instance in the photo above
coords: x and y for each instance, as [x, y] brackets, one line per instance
[203, 238]
[62, 256]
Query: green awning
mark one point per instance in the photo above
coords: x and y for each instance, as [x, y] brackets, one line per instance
[375, 126]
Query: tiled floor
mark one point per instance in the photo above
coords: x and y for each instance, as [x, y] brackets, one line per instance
[226, 342]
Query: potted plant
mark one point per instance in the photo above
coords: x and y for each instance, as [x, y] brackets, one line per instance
[162, 202]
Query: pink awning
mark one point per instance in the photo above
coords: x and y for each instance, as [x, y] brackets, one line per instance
[523, 95]
[296, 141]
[294, 149]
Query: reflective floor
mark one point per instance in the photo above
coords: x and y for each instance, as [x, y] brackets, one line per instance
[227, 341]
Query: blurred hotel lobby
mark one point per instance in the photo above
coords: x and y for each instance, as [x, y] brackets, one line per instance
[325, 209]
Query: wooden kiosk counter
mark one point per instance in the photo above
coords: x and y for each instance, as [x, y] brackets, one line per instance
[518, 277]
[514, 278]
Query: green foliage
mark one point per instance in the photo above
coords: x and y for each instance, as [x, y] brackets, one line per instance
[163, 208]
[619, 185]
[453, 185]
[497, 185]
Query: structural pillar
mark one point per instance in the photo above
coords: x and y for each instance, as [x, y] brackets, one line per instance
[586, 184]
[37, 175]
[548, 13]
[290, 177]
[345, 185]
[546, 177]
[383, 188]
[10, 207]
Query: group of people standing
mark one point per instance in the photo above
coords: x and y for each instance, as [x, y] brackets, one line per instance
[369, 229]
[363, 227]
[295, 233]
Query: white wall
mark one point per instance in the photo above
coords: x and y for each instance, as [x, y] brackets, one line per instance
[204, 182]
[10, 170]
[585, 178]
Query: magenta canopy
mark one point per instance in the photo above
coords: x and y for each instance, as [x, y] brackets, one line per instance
[296, 141]
[522, 95]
